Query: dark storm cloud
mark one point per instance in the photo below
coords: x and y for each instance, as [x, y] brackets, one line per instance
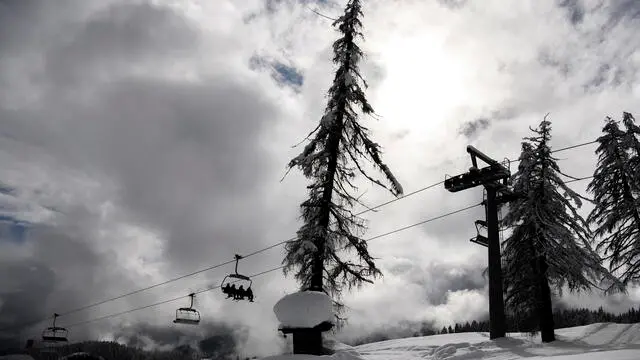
[574, 10]
[118, 36]
[214, 339]
[14, 18]
[187, 159]
[182, 154]
[472, 128]
[445, 278]
[23, 286]
[64, 272]
[624, 10]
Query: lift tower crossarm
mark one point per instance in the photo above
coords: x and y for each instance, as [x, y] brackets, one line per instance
[477, 153]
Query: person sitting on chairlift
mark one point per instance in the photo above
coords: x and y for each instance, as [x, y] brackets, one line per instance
[226, 289]
[240, 293]
[249, 294]
[232, 291]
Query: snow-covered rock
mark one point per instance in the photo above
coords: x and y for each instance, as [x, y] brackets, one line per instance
[304, 309]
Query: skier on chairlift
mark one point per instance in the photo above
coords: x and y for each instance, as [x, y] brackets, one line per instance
[232, 291]
[240, 293]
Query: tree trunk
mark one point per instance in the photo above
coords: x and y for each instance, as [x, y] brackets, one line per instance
[333, 147]
[332, 144]
[545, 309]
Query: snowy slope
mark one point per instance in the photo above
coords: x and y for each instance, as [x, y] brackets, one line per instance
[592, 342]
[596, 341]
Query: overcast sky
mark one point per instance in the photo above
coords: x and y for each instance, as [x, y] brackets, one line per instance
[142, 140]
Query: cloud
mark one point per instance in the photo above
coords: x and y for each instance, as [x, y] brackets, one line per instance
[471, 128]
[574, 10]
[156, 171]
[211, 338]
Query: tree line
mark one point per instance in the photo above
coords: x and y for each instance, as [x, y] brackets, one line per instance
[564, 318]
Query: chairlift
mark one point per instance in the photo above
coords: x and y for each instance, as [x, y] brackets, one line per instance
[242, 292]
[55, 334]
[480, 239]
[188, 316]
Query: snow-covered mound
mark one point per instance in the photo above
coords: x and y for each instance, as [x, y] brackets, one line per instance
[304, 309]
[591, 342]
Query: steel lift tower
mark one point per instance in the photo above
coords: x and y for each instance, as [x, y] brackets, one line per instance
[494, 178]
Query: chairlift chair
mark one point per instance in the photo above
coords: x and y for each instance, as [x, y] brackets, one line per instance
[55, 334]
[188, 316]
[480, 239]
[240, 278]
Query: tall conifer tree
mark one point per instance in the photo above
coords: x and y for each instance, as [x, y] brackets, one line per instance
[332, 159]
[550, 243]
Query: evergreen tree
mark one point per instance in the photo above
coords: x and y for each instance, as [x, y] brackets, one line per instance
[630, 142]
[616, 214]
[549, 246]
[332, 159]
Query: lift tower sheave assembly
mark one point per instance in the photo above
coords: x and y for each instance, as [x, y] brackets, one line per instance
[494, 178]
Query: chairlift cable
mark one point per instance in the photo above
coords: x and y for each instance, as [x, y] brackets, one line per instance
[320, 14]
[280, 267]
[162, 302]
[270, 270]
[261, 250]
[563, 149]
[228, 262]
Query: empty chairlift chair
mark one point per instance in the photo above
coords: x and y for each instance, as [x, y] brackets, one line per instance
[55, 334]
[188, 316]
[241, 292]
[480, 239]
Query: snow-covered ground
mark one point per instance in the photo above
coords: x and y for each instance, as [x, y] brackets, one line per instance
[595, 341]
[602, 341]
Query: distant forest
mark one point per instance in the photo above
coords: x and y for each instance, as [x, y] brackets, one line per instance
[562, 319]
